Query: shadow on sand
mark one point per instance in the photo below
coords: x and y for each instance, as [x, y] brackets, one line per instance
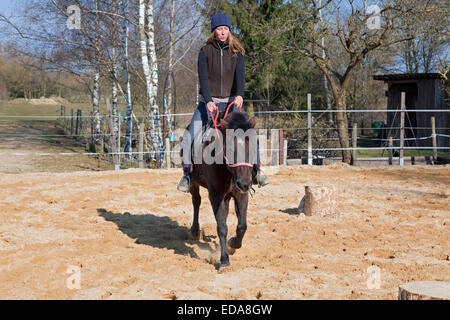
[155, 231]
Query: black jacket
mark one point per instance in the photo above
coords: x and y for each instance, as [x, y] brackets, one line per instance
[221, 73]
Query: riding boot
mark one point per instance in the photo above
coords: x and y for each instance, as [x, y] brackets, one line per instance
[185, 183]
[257, 177]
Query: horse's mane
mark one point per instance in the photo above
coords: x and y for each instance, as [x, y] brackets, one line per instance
[237, 120]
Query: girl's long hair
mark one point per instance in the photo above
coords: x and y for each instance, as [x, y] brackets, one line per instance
[235, 45]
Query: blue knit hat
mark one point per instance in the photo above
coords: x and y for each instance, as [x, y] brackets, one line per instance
[220, 19]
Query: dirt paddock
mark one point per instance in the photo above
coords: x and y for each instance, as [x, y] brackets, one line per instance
[127, 231]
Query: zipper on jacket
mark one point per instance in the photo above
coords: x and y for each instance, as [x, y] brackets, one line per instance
[221, 71]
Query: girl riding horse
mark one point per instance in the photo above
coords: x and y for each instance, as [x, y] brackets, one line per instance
[221, 73]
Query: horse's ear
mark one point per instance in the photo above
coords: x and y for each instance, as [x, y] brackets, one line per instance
[223, 123]
[252, 122]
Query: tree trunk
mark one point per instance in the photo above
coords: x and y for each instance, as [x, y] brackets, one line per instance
[342, 124]
[95, 110]
[114, 114]
[96, 96]
[153, 110]
[170, 96]
[129, 120]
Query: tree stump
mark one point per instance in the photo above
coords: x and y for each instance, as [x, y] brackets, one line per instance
[424, 290]
[318, 201]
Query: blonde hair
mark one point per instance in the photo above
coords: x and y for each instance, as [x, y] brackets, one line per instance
[234, 44]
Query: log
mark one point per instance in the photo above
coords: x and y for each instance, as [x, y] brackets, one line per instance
[318, 201]
[424, 290]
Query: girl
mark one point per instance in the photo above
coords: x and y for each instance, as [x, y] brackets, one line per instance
[221, 73]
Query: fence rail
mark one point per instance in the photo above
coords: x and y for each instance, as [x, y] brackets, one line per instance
[79, 126]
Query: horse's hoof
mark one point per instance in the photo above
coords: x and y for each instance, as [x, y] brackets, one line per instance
[231, 250]
[223, 267]
[194, 234]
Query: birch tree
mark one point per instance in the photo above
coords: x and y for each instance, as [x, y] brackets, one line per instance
[150, 68]
[114, 87]
[96, 91]
[129, 120]
[154, 112]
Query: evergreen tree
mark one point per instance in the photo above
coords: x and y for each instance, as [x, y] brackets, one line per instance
[273, 71]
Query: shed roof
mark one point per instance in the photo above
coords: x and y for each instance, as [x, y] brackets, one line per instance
[407, 76]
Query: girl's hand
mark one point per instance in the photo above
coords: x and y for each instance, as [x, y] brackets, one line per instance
[238, 100]
[211, 106]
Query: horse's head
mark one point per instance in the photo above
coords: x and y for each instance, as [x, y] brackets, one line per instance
[240, 149]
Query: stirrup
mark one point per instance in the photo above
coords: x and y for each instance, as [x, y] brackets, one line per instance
[184, 186]
[260, 180]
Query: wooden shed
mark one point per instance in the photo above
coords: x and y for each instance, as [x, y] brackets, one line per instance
[424, 91]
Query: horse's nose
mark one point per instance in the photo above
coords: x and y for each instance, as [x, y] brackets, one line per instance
[243, 185]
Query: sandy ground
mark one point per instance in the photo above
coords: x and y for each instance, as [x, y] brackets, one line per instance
[127, 232]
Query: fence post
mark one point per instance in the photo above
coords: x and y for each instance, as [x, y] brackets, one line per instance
[285, 149]
[110, 131]
[71, 122]
[167, 153]
[141, 146]
[310, 157]
[281, 147]
[262, 139]
[274, 146]
[390, 151]
[402, 128]
[102, 136]
[81, 122]
[117, 164]
[61, 116]
[434, 139]
[76, 124]
[354, 142]
[63, 110]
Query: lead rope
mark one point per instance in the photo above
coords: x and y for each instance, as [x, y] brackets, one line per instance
[214, 119]
[217, 125]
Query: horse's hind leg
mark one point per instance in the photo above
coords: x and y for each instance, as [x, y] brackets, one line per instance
[241, 204]
[196, 200]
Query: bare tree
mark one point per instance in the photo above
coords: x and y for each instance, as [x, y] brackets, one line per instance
[357, 34]
[422, 54]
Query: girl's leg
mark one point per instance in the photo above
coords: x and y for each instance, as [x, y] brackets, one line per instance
[195, 126]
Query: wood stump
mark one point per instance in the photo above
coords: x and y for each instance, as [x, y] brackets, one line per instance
[424, 290]
[318, 201]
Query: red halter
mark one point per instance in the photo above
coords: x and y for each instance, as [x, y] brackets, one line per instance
[217, 125]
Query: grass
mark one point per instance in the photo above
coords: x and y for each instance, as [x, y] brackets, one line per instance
[406, 153]
[22, 110]
[22, 130]
[367, 142]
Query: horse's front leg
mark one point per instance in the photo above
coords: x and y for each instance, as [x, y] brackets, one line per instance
[220, 206]
[241, 204]
[196, 201]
